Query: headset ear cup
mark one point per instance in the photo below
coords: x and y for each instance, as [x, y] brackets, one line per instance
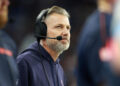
[40, 30]
[40, 26]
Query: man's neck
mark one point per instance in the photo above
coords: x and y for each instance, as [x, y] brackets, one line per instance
[52, 53]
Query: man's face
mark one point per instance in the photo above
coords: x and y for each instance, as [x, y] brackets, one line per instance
[58, 25]
[3, 12]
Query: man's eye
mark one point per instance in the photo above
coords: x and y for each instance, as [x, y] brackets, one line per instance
[68, 28]
[58, 26]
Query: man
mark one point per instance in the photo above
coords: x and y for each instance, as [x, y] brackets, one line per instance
[91, 70]
[8, 69]
[39, 64]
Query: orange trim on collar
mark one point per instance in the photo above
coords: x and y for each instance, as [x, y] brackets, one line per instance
[6, 52]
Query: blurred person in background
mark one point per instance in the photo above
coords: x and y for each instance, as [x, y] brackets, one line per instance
[115, 31]
[8, 69]
[111, 51]
[39, 64]
[91, 71]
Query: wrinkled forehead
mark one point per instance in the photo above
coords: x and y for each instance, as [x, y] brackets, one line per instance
[56, 19]
[56, 16]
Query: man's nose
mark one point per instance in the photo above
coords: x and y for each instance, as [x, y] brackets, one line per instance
[66, 31]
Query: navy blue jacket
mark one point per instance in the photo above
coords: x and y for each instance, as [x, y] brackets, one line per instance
[91, 70]
[37, 68]
[8, 67]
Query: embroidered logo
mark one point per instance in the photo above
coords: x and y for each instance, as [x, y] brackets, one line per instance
[6, 52]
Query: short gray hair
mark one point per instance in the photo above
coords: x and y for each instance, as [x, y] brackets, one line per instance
[53, 9]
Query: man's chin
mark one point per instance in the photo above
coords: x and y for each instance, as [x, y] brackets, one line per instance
[3, 19]
[66, 46]
[2, 24]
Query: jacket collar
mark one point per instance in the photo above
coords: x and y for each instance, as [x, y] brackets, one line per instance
[40, 50]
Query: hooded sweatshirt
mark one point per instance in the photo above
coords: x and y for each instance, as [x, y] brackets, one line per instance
[37, 68]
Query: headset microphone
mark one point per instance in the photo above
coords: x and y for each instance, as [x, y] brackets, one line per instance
[58, 37]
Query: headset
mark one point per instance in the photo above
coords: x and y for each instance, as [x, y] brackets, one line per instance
[41, 27]
[41, 33]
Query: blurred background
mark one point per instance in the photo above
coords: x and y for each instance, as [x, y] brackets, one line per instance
[22, 16]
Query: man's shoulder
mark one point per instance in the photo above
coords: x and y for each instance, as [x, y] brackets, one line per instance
[5, 37]
[94, 15]
[7, 43]
[7, 40]
[24, 55]
[28, 55]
